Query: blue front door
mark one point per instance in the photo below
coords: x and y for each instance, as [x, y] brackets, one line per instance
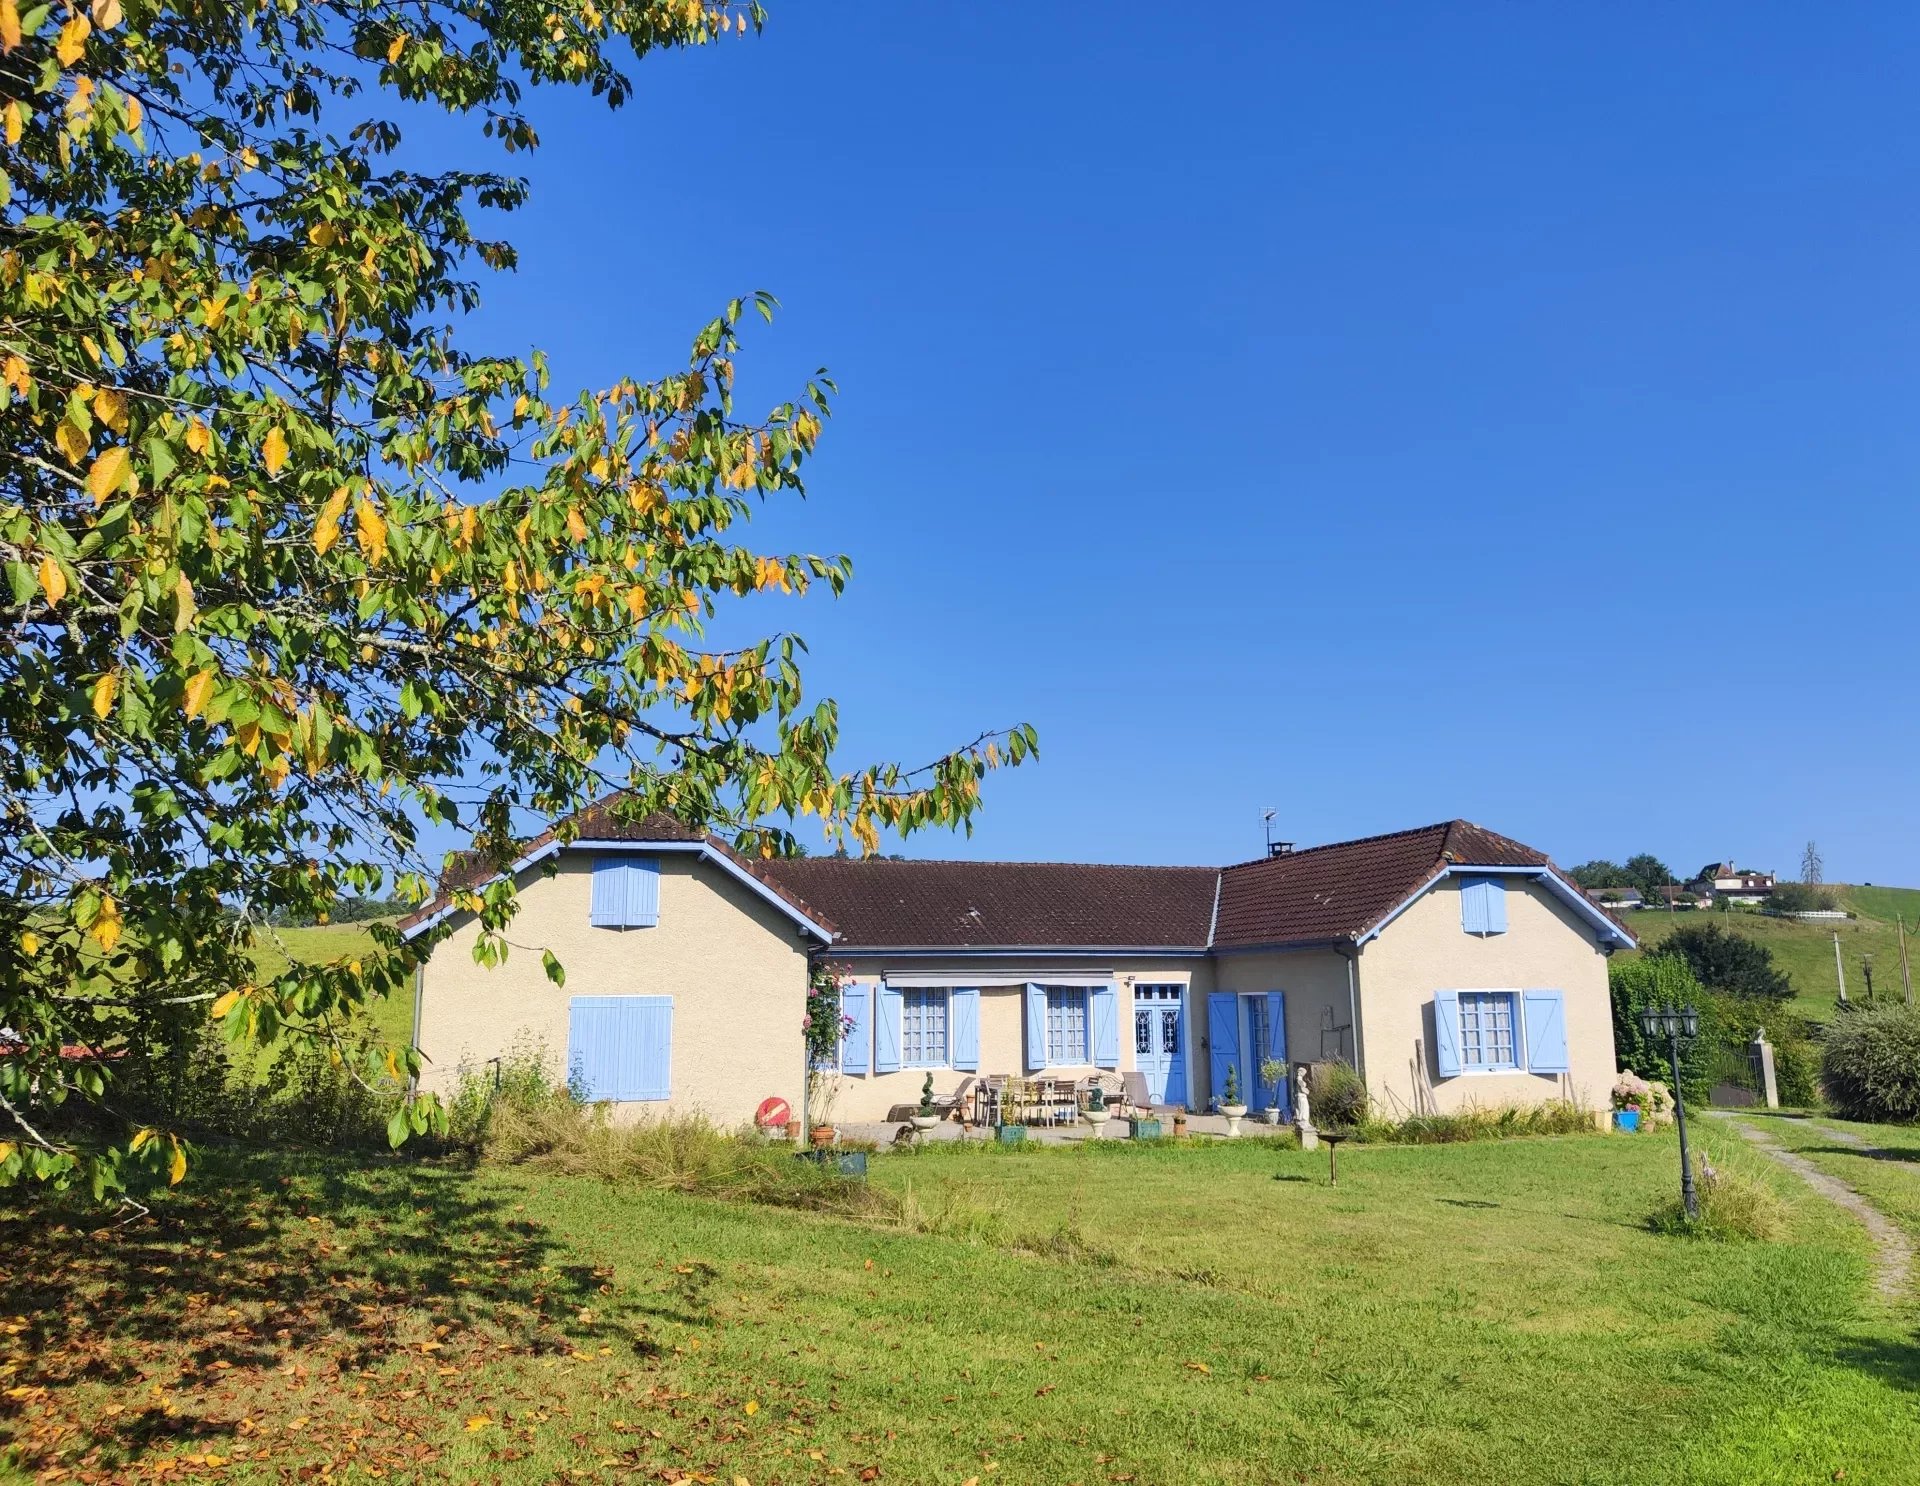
[1266, 1041]
[1160, 1041]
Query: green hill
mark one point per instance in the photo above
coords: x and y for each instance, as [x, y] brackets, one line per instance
[392, 1018]
[1805, 949]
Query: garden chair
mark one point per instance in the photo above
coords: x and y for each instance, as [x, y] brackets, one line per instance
[1133, 1088]
[949, 1106]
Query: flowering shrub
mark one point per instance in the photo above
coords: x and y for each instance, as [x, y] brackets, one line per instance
[1630, 1091]
[825, 1025]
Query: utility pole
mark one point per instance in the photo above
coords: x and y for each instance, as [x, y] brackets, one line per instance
[1906, 975]
[1839, 967]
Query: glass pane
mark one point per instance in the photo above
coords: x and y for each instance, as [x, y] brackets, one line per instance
[1170, 1031]
[1143, 1031]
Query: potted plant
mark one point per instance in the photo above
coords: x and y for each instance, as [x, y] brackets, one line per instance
[1096, 1114]
[1629, 1093]
[822, 1029]
[1273, 1073]
[1008, 1130]
[1230, 1104]
[1146, 1126]
[1180, 1123]
[926, 1116]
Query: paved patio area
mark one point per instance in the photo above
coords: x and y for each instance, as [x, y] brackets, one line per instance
[883, 1132]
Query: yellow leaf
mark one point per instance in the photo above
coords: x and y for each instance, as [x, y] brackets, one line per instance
[103, 691]
[70, 441]
[274, 451]
[7, 1148]
[276, 769]
[326, 530]
[177, 1166]
[370, 527]
[576, 528]
[30, 943]
[134, 113]
[184, 606]
[199, 690]
[225, 1004]
[106, 928]
[110, 407]
[323, 234]
[752, 1408]
[16, 121]
[53, 579]
[477, 1423]
[14, 372]
[109, 473]
[71, 44]
[141, 1138]
[199, 436]
[9, 25]
[107, 14]
[216, 309]
[396, 46]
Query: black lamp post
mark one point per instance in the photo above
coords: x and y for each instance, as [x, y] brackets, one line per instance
[1674, 1024]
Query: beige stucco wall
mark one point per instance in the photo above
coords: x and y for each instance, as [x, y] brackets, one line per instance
[735, 966]
[1318, 1022]
[1002, 983]
[1545, 947]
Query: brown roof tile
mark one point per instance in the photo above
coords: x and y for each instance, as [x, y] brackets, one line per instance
[1342, 890]
[958, 905]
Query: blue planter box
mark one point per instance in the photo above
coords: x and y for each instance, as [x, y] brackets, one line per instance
[847, 1163]
[1146, 1130]
[1010, 1134]
[1626, 1119]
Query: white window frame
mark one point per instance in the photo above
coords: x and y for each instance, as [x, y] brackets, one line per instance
[917, 1001]
[1059, 1054]
[1516, 1022]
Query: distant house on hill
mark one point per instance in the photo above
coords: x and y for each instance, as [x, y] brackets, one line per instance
[1739, 884]
[1616, 897]
[1694, 896]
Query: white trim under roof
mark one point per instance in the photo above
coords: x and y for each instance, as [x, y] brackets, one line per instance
[644, 848]
[1002, 977]
[1609, 931]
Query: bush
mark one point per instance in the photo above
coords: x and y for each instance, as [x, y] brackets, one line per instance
[1871, 1067]
[1651, 982]
[1554, 1117]
[1801, 897]
[1733, 1206]
[314, 1099]
[1337, 1096]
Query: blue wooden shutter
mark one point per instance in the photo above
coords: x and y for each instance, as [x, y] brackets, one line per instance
[620, 1047]
[1446, 1032]
[886, 1030]
[1483, 905]
[648, 1045]
[1223, 1040]
[1546, 1026]
[856, 1043]
[643, 893]
[609, 892]
[1036, 1027]
[1277, 1047]
[592, 1057]
[1103, 1016]
[963, 1028]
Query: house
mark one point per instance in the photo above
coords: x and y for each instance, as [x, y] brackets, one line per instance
[1683, 897]
[1452, 966]
[1738, 884]
[1616, 897]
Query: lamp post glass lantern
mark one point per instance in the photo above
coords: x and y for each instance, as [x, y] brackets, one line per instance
[1674, 1024]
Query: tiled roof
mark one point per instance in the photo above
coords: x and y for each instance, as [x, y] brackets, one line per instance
[1318, 895]
[957, 905]
[1342, 890]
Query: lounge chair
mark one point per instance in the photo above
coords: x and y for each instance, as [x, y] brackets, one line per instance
[1134, 1090]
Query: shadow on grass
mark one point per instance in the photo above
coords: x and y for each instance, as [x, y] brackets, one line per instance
[1895, 1361]
[254, 1290]
[1898, 1155]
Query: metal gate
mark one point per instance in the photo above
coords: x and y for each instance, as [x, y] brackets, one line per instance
[1733, 1069]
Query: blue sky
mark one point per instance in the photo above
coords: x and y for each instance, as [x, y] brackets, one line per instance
[1372, 414]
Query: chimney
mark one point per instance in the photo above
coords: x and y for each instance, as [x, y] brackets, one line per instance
[1279, 849]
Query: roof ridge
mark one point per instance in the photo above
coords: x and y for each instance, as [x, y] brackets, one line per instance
[997, 862]
[1443, 826]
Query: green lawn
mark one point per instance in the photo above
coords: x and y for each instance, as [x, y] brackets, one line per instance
[1205, 1313]
[1805, 950]
[1889, 1180]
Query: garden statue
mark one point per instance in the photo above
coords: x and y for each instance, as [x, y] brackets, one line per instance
[1303, 1111]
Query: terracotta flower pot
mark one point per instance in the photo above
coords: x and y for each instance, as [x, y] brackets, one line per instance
[823, 1135]
[794, 1131]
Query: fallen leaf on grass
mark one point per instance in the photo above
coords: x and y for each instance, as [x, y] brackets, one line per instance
[477, 1423]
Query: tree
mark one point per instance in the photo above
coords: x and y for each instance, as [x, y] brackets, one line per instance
[1812, 869]
[1729, 963]
[1599, 873]
[1648, 873]
[290, 570]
